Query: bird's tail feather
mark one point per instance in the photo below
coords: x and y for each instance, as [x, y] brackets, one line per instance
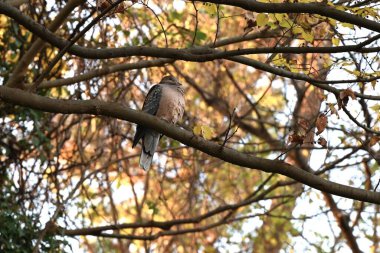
[149, 146]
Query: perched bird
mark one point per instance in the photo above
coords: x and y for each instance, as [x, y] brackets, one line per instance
[164, 100]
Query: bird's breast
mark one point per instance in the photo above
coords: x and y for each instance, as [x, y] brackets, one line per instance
[171, 105]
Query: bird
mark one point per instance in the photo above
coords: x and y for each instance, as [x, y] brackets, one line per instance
[166, 101]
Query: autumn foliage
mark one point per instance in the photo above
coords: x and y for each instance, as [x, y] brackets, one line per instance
[278, 150]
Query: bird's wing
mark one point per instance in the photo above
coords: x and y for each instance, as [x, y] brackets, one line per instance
[152, 100]
[151, 105]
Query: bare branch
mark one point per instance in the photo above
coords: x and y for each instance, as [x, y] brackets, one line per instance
[115, 110]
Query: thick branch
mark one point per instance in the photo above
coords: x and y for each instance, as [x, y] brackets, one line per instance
[311, 8]
[115, 110]
[16, 3]
[343, 223]
[199, 54]
[167, 225]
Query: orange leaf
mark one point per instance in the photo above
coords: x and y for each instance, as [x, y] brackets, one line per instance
[322, 141]
[104, 4]
[295, 138]
[304, 124]
[321, 123]
[374, 140]
[344, 95]
[347, 93]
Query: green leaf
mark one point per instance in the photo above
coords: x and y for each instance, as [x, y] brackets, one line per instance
[200, 35]
[153, 207]
[262, 19]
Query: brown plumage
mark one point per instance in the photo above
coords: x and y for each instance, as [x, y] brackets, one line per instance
[166, 101]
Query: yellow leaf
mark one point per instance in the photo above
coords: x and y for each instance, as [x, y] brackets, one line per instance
[309, 37]
[347, 63]
[373, 83]
[204, 131]
[376, 108]
[262, 19]
[333, 109]
[332, 22]
[197, 130]
[285, 23]
[93, 124]
[207, 132]
[297, 30]
[340, 8]
[209, 8]
[354, 72]
[335, 41]
[279, 16]
[348, 25]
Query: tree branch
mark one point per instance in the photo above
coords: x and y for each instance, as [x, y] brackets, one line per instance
[16, 3]
[105, 70]
[20, 69]
[310, 8]
[115, 110]
[198, 54]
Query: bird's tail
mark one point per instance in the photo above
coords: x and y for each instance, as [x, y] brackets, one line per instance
[149, 146]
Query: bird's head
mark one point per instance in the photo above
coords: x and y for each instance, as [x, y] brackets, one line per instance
[170, 80]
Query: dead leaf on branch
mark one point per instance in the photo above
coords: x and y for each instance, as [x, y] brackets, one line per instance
[302, 127]
[321, 123]
[101, 5]
[333, 110]
[296, 139]
[322, 141]
[374, 140]
[347, 93]
[344, 96]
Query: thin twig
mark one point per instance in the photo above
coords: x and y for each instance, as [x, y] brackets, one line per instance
[377, 185]
[232, 116]
[217, 23]
[159, 21]
[196, 23]
[367, 129]
[72, 42]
